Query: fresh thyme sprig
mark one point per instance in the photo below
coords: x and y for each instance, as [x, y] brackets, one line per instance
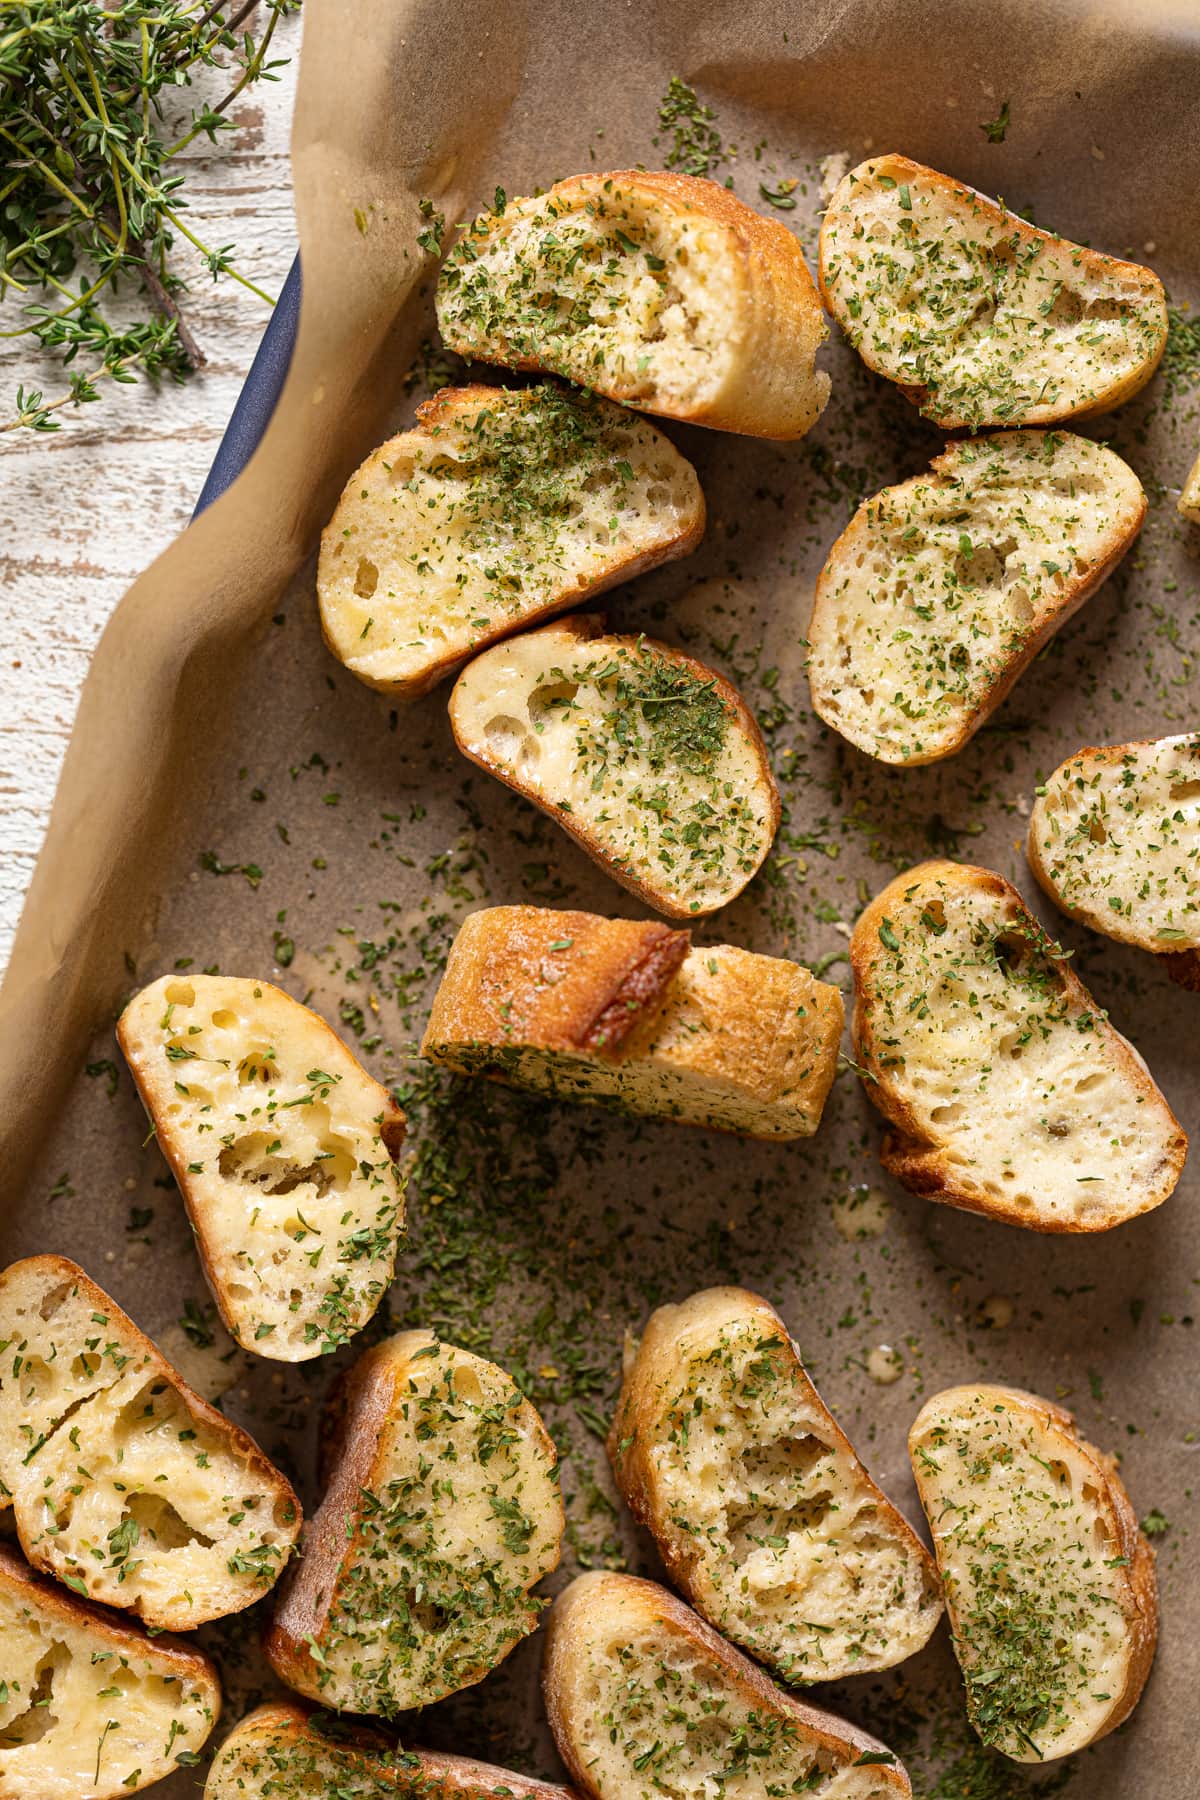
[90, 197]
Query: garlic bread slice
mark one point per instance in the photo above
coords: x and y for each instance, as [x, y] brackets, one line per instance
[442, 1512]
[980, 317]
[649, 759]
[941, 591]
[762, 1513]
[283, 1750]
[500, 508]
[1050, 1584]
[664, 292]
[90, 1706]
[284, 1149]
[1114, 839]
[1007, 1090]
[1189, 497]
[125, 1484]
[644, 1699]
[626, 1013]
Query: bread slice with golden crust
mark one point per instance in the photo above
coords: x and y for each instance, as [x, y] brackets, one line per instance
[644, 1699]
[125, 1483]
[1189, 496]
[762, 1512]
[626, 1013]
[662, 291]
[284, 1149]
[649, 759]
[1050, 1583]
[90, 1706]
[1114, 839]
[981, 318]
[442, 1512]
[284, 1750]
[1007, 1090]
[500, 508]
[941, 591]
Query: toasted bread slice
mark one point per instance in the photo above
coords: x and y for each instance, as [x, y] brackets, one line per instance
[761, 1510]
[501, 508]
[442, 1512]
[284, 1149]
[1114, 838]
[649, 759]
[90, 1707]
[1050, 1584]
[662, 291]
[1008, 1091]
[941, 591]
[125, 1483]
[981, 318]
[644, 1699]
[624, 1012]
[284, 1751]
[1189, 497]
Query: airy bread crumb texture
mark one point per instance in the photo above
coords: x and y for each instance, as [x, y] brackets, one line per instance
[714, 1036]
[942, 590]
[1008, 1090]
[1049, 1582]
[645, 1700]
[124, 1483]
[90, 1709]
[1114, 838]
[443, 1510]
[983, 318]
[662, 291]
[284, 1148]
[501, 507]
[649, 759]
[281, 1750]
[762, 1511]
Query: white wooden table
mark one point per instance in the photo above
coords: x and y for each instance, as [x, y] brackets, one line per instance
[85, 509]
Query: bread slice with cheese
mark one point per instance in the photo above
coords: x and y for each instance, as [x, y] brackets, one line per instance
[285, 1751]
[981, 318]
[1189, 497]
[90, 1706]
[125, 1484]
[625, 1012]
[662, 291]
[1114, 839]
[763, 1515]
[500, 508]
[441, 1514]
[644, 1699]
[1050, 1584]
[1006, 1089]
[649, 759]
[285, 1151]
[941, 591]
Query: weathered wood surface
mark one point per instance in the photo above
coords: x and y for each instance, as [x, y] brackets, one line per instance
[83, 510]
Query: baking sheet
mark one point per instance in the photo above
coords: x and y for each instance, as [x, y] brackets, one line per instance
[234, 798]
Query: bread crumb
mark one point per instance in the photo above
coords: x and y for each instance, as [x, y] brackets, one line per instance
[833, 168]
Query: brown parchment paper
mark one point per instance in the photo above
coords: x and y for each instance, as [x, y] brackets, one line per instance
[214, 725]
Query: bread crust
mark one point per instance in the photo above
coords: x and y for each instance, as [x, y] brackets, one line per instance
[413, 1773]
[773, 390]
[901, 170]
[589, 627]
[1122, 1530]
[370, 1396]
[39, 1545]
[922, 1164]
[856, 539]
[651, 1609]
[667, 1342]
[113, 1636]
[443, 411]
